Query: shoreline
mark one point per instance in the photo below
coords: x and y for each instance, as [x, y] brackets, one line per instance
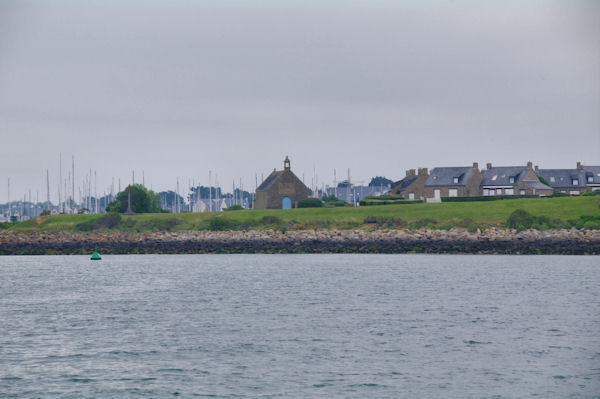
[453, 241]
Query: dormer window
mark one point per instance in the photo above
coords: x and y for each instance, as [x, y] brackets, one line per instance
[575, 182]
[552, 179]
[511, 179]
[494, 178]
[590, 179]
[455, 180]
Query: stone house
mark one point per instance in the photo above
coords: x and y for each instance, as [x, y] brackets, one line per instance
[571, 181]
[592, 176]
[568, 181]
[412, 185]
[280, 190]
[460, 181]
[512, 180]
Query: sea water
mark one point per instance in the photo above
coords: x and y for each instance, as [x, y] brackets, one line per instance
[300, 326]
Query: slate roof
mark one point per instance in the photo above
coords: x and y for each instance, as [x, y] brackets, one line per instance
[500, 175]
[402, 184]
[563, 178]
[593, 171]
[538, 185]
[266, 184]
[445, 176]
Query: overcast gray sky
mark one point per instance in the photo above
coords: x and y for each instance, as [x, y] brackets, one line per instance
[176, 88]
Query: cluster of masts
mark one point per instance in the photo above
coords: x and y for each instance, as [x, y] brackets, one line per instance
[81, 196]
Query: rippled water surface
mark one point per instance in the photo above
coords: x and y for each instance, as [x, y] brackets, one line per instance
[311, 326]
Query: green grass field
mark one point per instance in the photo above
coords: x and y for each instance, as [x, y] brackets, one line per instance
[435, 215]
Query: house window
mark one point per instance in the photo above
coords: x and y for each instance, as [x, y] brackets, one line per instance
[486, 191]
[511, 179]
[590, 179]
[574, 192]
[498, 191]
[575, 182]
[552, 179]
[494, 178]
[509, 191]
[411, 196]
[452, 192]
[455, 180]
[522, 192]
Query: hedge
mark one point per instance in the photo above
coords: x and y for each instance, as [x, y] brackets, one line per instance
[310, 203]
[486, 198]
[387, 202]
[383, 197]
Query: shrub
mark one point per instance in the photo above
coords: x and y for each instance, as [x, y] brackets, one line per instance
[166, 224]
[522, 220]
[592, 225]
[590, 193]
[107, 221]
[310, 203]
[4, 225]
[271, 220]
[221, 224]
[419, 224]
[472, 228]
[585, 222]
[334, 204]
[235, 208]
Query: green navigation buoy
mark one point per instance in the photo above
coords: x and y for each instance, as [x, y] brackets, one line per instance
[95, 255]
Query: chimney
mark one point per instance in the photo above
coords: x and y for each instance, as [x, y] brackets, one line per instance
[537, 168]
[413, 172]
[422, 171]
[579, 165]
[488, 165]
[529, 164]
[475, 165]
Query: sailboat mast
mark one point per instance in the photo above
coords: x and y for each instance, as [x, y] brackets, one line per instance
[73, 181]
[95, 192]
[47, 189]
[335, 183]
[210, 191]
[59, 182]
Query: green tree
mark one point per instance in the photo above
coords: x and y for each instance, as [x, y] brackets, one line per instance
[142, 200]
[378, 181]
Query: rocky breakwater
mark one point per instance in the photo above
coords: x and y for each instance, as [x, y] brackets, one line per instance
[492, 241]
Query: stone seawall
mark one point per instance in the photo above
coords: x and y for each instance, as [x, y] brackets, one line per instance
[492, 241]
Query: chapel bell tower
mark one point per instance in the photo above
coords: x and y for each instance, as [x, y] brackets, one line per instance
[286, 163]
